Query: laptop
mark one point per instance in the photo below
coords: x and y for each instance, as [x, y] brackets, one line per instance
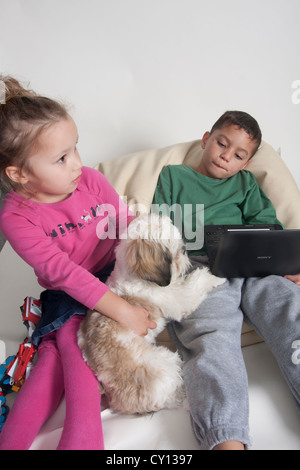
[252, 250]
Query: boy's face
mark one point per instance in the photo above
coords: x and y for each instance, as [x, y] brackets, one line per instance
[226, 151]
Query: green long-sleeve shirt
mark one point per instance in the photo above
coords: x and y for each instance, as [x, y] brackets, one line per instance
[196, 200]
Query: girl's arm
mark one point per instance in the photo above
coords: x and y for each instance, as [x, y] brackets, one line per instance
[130, 316]
[55, 270]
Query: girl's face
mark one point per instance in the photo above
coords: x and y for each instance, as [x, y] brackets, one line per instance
[55, 166]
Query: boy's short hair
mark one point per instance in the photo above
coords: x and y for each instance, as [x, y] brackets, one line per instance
[243, 121]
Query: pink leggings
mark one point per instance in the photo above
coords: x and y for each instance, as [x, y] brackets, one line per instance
[60, 368]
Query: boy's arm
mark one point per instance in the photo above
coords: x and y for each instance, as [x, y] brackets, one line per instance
[162, 193]
[295, 278]
[257, 207]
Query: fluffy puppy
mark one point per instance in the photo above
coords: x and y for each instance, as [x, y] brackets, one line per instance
[151, 270]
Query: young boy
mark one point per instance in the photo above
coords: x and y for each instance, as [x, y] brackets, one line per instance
[210, 339]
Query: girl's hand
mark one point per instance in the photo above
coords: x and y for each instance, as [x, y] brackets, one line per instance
[294, 278]
[137, 319]
[134, 317]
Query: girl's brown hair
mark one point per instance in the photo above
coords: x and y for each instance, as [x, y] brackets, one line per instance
[23, 116]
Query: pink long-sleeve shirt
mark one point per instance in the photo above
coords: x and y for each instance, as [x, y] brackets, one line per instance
[66, 242]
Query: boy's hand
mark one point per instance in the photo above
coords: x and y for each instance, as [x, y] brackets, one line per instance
[294, 278]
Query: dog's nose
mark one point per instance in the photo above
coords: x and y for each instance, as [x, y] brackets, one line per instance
[165, 280]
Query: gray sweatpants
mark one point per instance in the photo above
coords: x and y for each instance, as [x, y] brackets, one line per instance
[210, 343]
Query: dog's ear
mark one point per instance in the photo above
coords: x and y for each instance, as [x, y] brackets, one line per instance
[150, 261]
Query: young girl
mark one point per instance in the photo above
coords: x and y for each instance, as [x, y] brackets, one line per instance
[58, 217]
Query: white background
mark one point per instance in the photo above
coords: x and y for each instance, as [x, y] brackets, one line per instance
[139, 74]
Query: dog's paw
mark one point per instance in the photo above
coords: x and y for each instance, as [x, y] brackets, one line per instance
[196, 286]
[203, 279]
[216, 281]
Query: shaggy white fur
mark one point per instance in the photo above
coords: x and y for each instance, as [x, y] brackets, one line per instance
[151, 270]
